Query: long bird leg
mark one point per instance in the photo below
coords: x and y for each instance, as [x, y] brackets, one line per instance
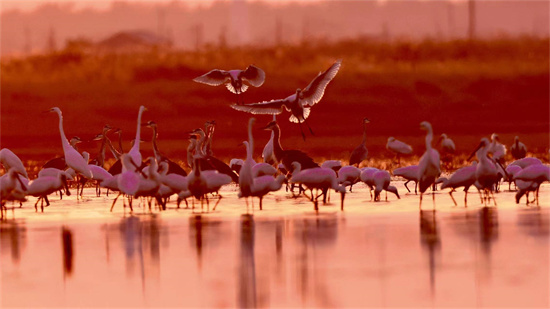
[301, 131]
[113, 205]
[451, 194]
[310, 130]
[261, 198]
[406, 186]
[219, 198]
[493, 196]
[420, 206]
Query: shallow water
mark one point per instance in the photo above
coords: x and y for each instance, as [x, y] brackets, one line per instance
[78, 254]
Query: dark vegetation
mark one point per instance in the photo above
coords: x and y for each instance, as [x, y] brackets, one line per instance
[467, 89]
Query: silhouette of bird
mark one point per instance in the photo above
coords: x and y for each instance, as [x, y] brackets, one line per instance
[429, 165]
[298, 104]
[382, 180]
[518, 149]
[236, 81]
[173, 167]
[537, 174]
[367, 176]
[486, 170]
[525, 162]
[359, 154]
[497, 149]
[398, 147]
[410, 173]
[286, 157]
[73, 158]
[134, 152]
[12, 162]
[267, 153]
[41, 187]
[348, 176]
[463, 177]
[317, 178]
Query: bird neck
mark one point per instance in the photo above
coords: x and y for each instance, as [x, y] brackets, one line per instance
[101, 155]
[64, 140]
[250, 150]
[120, 143]
[115, 152]
[429, 138]
[135, 147]
[364, 134]
[154, 141]
[277, 148]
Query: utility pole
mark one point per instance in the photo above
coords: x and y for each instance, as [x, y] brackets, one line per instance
[471, 19]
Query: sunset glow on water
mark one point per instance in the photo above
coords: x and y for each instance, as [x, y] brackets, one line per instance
[222, 102]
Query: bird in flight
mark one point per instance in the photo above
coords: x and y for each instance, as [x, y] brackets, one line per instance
[236, 81]
[298, 104]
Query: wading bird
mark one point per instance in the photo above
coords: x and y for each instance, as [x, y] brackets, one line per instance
[429, 165]
[73, 158]
[11, 161]
[318, 178]
[410, 173]
[382, 182]
[398, 147]
[298, 104]
[173, 167]
[359, 154]
[463, 177]
[286, 157]
[236, 81]
[518, 149]
[486, 170]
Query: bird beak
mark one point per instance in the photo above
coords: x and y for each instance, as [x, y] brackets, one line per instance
[474, 152]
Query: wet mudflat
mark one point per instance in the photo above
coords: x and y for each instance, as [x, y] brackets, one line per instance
[78, 254]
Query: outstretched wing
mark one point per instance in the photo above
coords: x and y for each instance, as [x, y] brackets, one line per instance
[273, 107]
[316, 89]
[213, 78]
[253, 75]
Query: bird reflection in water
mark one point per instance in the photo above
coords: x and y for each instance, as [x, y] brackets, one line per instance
[313, 233]
[488, 234]
[246, 297]
[431, 241]
[13, 239]
[68, 253]
[534, 222]
[203, 231]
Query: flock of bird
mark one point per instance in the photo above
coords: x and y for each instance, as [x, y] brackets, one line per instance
[158, 178]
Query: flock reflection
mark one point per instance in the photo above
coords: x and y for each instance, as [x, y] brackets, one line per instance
[275, 253]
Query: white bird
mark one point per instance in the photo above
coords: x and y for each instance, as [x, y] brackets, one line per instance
[262, 169]
[447, 144]
[367, 176]
[348, 176]
[486, 171]
[246, 177]
[73, 158]
[262, 185]
[41, 187]
[518, 149]
[398, 147]
[127, 182]
[429, 165]
[336, 165]
[298, 104]
[463, 177]
[359, 154]
[497, 149]
[12, 162]
[148, 187]
[524, 187]
[134, 153]
[511, 170]
[317, 178]
[382, 182]
[214, 181]
[525, 162]
[410, 173]
[12, 188]
[267, 153]
[172, 183]
[236, 165]
[236, 81]
[535, 173]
